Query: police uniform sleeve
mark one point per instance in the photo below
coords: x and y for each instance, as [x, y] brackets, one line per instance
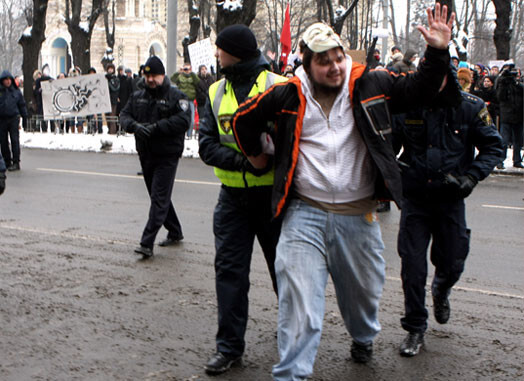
[487, 140]
[127, 119]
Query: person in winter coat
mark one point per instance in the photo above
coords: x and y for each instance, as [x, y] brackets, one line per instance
[407, 63]
[12, 107]
[439, 170]
[334, 159]
[243, 211]
[158, 115]
[206, 80]
[187, 82]
[510, 90]
[37, 92]
[487, 93]
[114, 92]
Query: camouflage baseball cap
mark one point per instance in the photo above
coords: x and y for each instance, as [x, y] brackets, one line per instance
[320, 37]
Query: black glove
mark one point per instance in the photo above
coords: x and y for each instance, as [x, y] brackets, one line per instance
[2, 182]
[142, 132]
[464, 184]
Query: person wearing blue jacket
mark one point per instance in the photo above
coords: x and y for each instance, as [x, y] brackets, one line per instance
[12, 107]
[447, 149]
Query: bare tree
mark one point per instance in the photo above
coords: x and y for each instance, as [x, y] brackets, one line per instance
[234, 14]
[110, 26]
[12, 24]
[502, 34]
[516, 45]
[194, 27]
[31, 41]
[81, 31]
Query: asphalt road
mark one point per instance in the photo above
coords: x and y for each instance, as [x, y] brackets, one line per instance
[77, 204]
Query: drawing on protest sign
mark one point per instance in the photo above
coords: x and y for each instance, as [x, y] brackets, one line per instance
[76, 96]
[202, 53]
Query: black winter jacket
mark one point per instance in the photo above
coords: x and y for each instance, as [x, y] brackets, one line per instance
[510, 96]
[374, 95]
[12, 102]
[441, 140]
[243, 76]
[166, 106]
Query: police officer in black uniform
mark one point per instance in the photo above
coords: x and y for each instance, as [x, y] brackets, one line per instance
[439, 170]
[159, 117]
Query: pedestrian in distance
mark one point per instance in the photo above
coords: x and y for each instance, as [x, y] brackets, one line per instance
[439, 170]
[114, 91]
[510, 94]
[159, 117]
[187, 82]
[243, 211]
[12, 108]
[333, 157]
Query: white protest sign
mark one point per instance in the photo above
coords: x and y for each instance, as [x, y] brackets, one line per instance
[202, 53]
[75, 96]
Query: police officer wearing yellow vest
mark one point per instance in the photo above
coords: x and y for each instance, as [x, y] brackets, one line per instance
[243, 210]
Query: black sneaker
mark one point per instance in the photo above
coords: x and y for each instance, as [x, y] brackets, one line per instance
[412, 344]
[441, 309]
[518, 165]
[220, 363]
[170, 241]
[146, 252]
[361, 353]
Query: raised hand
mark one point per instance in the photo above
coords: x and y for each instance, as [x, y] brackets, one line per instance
[439, 32]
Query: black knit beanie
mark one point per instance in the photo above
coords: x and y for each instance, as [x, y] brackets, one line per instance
[239, 41]
[154, 66]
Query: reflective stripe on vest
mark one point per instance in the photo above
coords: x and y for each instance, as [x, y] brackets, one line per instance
[224, 104]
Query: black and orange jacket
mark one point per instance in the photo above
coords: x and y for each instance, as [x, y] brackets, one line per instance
[375, 95]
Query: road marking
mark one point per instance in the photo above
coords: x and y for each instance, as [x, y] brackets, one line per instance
[121, 176]
[468, 289]
[126, 243]
[503, 207]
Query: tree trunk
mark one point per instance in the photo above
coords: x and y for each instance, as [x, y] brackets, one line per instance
[502, 33]
[194, 26]
[31, 45]
[243, 15]
[81, 32]
[110, 27]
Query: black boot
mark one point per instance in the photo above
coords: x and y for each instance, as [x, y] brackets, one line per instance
[14, 167]
[412, 344]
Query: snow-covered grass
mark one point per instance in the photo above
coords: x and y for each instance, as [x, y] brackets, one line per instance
[92, 143]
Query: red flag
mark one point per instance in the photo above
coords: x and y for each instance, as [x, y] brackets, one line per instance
[285, 39]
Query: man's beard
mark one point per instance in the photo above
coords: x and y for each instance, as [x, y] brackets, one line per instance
[320, 88]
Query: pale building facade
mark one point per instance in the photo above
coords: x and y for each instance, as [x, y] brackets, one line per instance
[140, 31]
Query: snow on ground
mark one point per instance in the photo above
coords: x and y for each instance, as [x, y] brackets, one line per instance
[92, 143]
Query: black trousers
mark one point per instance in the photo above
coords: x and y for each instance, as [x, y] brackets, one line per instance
[159, 176]
[10, 139]
[240, 215]
[445, 224]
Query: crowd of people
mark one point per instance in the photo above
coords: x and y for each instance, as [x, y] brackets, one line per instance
[304, 156]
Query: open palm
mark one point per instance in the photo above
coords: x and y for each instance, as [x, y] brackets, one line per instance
[439, 32]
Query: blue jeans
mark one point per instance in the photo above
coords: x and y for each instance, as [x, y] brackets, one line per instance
[314, 244]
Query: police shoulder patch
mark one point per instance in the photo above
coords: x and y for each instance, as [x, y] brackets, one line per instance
[485, 117]
[184, 104]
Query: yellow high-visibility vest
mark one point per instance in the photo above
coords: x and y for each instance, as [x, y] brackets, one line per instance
[224, 104]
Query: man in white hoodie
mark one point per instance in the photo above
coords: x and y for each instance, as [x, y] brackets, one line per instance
[333, 160]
